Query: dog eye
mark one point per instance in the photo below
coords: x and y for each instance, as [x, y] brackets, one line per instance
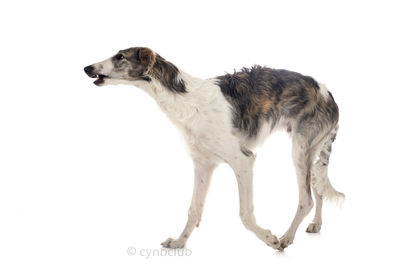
[119, 56]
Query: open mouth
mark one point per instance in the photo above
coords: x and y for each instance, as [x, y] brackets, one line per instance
[100, 78]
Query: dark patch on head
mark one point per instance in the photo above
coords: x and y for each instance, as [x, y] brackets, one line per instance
[146, 57]
[141, 63]
[136, 62]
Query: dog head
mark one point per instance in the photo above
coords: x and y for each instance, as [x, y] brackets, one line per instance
[128, 65]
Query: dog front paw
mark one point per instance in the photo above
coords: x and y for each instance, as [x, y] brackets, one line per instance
[172, 243]
[285, 241]
[273, 241]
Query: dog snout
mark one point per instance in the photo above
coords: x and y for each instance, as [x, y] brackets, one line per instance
[89, 70]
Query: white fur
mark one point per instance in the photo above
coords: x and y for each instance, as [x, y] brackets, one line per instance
[324, 91]
[105, 67]
[320, 180]
[203, 115]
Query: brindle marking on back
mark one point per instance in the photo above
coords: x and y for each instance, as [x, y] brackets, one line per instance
[262, 93]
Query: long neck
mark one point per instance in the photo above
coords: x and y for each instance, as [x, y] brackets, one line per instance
[178, 106]
[178, 94]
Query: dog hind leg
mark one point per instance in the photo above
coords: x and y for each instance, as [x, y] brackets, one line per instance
[322, 188]
[315, 225]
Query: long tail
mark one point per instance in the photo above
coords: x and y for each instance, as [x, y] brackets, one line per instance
[320, 180]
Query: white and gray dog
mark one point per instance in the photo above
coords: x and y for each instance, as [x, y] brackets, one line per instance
[224, 118]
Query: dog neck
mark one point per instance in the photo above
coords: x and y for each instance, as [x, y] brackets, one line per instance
[176, 105]
[181, 107]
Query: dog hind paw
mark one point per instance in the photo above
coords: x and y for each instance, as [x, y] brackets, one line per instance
[313, 227]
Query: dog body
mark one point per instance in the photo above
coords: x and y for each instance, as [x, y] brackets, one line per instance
[224, 119]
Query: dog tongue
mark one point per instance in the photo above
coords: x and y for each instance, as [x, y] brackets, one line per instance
[99, 81]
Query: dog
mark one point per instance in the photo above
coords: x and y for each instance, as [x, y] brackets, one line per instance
[224, 118]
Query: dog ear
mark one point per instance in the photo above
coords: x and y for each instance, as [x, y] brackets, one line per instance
[146, 57]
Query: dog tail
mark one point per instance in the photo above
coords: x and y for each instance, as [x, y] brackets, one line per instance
[320, 181]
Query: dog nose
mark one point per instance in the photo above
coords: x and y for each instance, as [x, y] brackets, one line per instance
[88, 69]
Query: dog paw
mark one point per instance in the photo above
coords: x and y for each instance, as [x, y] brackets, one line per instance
[285, 241]
[273, 241]
[313, 227]
[172, 243]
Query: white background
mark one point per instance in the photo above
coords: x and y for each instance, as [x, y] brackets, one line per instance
[87, 172]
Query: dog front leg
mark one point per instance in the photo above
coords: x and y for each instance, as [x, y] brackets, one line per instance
[202, 172]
